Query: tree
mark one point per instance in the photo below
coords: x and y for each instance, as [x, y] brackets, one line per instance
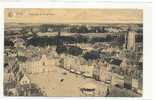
[61, 49]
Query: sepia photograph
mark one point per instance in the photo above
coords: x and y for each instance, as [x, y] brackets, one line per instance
[73, 52]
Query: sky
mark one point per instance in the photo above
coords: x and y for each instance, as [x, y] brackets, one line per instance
[70, 15]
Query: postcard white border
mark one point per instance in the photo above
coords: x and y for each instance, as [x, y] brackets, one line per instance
[147, 64]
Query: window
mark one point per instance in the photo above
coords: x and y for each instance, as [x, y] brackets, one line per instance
[43, 63]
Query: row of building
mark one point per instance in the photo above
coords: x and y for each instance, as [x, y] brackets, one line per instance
[110, 73]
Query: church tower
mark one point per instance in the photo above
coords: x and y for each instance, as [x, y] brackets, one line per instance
[130, 41]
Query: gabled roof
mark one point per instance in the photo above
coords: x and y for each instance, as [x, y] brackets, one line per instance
[24, 77]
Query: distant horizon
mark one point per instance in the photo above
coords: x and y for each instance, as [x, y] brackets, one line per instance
[58, 23]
